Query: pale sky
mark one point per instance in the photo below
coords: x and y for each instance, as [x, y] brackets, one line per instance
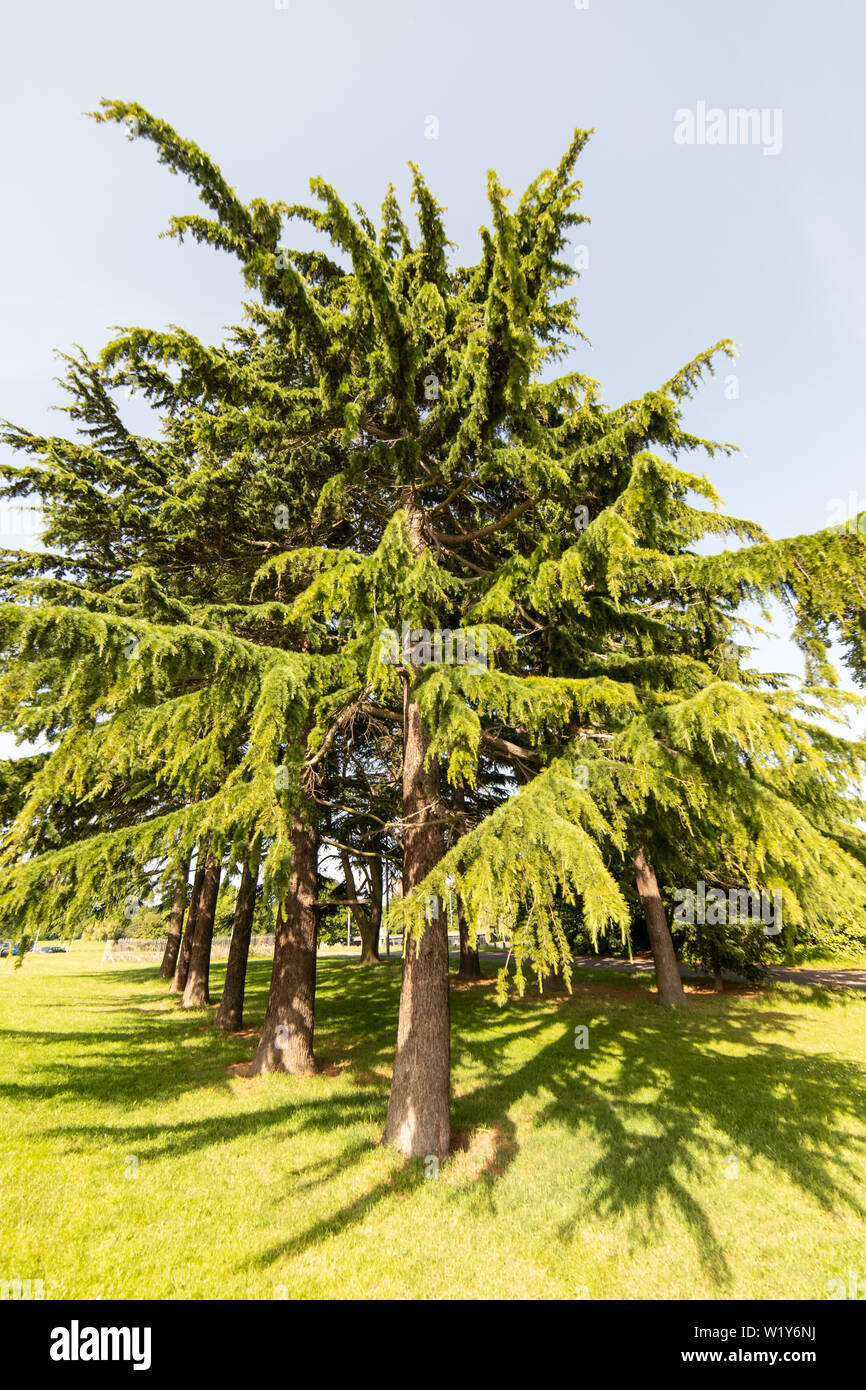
[688, 243]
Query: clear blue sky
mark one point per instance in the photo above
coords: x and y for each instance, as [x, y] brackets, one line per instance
[688, 243]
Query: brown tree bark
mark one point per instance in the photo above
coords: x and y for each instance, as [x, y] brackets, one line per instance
[286, 1043]
[553, 981]
[230, 1014]
[181, 969]
[718, 980]
[196, 993]
[370, 920]
[470, 962]
[175, 922]
[419, 1120]
[668, 980]
[370, 939]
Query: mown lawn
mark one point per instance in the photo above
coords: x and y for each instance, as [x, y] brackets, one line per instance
[718, 1154]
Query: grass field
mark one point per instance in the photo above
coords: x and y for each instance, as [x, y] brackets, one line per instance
[718, 1154]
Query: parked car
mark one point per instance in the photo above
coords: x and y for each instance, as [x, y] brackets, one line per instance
[7, 949]
[49, 950]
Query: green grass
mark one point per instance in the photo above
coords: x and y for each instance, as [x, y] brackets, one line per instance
[718, 1154]
[816, 958]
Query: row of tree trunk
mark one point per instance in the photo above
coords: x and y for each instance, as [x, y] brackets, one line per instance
[418, 1118]
[286, 1042]
[230, 1014]
[186, 959]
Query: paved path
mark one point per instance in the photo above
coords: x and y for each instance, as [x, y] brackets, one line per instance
[797, 974]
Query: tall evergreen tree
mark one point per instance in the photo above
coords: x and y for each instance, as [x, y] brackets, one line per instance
[441, 481]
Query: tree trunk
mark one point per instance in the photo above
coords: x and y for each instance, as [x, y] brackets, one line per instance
[196, 993]
[230, 1014]
[470, 962]
[419, 1120]
[670, 985]
[286, 1043]
[369, 941]
[370, 937]
[718, 981]
[551, 982]
[175, 924]
[369, 923]
[181, 969]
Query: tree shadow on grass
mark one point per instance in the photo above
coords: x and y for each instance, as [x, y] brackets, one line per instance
[113, 1067]
[669, 1098]
[666, 1097]
[156, 1051]
[286, 1119]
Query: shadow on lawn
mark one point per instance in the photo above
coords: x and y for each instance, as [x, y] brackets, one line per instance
[667, 1097]
[677, 1104]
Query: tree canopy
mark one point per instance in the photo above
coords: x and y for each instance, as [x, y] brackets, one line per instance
[385, 580]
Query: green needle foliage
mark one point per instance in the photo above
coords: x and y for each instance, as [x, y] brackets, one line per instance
[249, 623]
